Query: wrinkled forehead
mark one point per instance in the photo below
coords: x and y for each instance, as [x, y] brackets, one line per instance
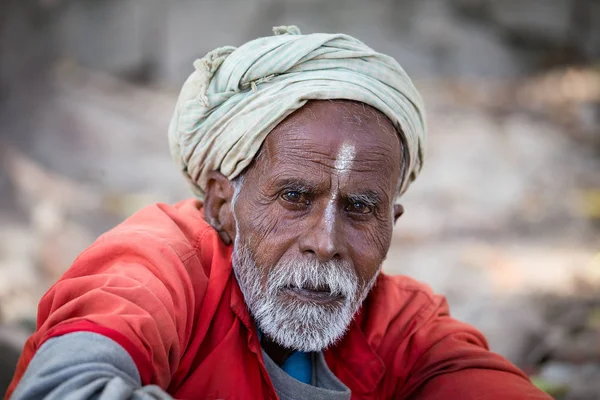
[334, 114]
[324, 138]
[337, 130]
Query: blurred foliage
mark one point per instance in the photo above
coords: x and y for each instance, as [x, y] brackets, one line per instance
[590, 204]
[555, 390]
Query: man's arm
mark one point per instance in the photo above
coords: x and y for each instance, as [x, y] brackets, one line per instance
[477, 384]
[81, 366]
[454, 362]
[132, 286]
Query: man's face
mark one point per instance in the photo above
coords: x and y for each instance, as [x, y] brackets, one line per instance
[314, 219]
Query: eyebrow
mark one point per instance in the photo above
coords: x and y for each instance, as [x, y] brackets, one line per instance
[368, 197]
[299, 185]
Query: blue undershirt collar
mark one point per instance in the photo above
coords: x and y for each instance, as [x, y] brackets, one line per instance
[298, 365]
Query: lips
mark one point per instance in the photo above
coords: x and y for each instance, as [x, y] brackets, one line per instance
[321, 295]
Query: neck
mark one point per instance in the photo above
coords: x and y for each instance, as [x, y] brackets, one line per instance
[277, 352]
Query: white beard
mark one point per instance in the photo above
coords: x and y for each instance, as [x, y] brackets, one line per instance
[292, 322]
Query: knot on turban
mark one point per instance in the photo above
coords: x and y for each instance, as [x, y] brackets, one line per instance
[236, 96]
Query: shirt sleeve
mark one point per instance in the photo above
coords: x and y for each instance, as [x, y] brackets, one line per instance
[453, 361]
[81, 366]
[132, 287]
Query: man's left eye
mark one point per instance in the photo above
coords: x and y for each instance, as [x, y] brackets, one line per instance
[358, 208]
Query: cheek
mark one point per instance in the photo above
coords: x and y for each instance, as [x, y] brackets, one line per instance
[368, 248]
[265, 231]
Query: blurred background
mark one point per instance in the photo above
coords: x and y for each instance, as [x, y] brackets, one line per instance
[504, 220]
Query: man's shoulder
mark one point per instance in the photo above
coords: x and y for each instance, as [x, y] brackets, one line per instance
[400, 291]
[174, 234]
[179, 227]
[399, 305]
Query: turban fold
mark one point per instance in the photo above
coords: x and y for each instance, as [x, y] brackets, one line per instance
[236, 96]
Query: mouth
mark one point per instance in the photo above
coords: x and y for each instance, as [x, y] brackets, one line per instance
[320, 295]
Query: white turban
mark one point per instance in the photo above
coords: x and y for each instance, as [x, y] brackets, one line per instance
[235, 97]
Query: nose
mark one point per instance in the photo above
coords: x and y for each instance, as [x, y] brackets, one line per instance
[323, 238]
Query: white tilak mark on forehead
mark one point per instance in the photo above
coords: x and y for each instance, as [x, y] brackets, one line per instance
[343, 163]
[345, 158]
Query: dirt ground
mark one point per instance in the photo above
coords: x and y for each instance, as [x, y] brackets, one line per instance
[504, 220]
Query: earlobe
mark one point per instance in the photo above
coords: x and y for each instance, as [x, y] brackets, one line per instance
[398, 211]
[217, 206]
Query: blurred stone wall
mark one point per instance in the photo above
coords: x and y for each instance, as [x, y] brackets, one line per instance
[158, 40]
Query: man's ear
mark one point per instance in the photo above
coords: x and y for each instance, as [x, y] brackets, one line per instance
[217, 206]
[398, 211]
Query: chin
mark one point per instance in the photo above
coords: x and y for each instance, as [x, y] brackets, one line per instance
[304, 326]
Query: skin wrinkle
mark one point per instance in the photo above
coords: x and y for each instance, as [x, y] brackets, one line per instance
[268, 225]
[301, 146]
[332, 161]
[297, 156]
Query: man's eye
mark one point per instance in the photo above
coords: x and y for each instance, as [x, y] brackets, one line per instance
[358, 208]
[293, 196]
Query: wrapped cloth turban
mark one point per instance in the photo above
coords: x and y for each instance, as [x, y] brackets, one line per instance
[236, 96]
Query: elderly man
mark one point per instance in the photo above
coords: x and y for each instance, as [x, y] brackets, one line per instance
[268, 285]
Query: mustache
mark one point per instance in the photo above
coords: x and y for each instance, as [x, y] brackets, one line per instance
[336, 276]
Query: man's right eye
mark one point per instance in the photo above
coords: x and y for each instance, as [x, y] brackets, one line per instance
[293, 196]
[296, 198]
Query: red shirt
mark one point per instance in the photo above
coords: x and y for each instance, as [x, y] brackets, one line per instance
[161, 285]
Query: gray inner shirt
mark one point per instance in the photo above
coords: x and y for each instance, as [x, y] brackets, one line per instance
[325, 385]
